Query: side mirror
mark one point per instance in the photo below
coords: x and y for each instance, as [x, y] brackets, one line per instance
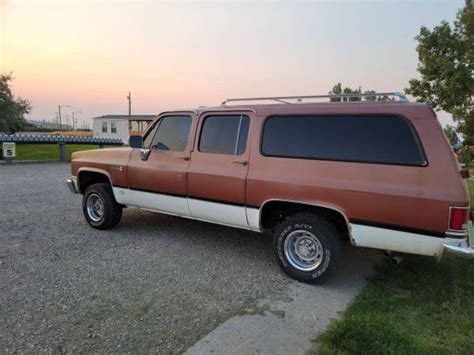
[136, 141]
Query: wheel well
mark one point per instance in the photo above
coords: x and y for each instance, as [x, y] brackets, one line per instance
[87, 178]
[274, 212]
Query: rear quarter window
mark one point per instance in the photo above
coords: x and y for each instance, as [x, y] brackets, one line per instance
[380, 139]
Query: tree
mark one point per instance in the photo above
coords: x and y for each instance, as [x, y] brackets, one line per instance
[446, 67]
[12, 110]
[453, 138]
[338, 90]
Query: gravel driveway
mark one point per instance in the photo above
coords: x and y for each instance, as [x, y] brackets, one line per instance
[155, 283]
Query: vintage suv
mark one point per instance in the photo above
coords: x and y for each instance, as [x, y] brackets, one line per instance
[379, 174]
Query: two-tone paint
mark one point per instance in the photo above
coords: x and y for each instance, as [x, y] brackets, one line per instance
[390, 207]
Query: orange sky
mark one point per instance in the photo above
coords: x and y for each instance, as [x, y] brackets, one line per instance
[172, 55]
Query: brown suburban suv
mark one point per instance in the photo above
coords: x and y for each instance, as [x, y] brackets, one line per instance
[378, 174]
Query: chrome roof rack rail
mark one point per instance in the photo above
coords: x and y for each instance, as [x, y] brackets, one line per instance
[299, 99]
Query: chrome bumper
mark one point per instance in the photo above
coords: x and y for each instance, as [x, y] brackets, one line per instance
[462, 248]
[72, 185]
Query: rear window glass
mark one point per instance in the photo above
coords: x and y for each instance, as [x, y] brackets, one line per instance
[370, 139]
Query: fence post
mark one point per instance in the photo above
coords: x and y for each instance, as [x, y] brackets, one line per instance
[62, 151]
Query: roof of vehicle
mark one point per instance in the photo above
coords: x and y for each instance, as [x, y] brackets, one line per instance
[281, 107]
[377, 102]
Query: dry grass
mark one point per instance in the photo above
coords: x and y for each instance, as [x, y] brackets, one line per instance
[73, 134]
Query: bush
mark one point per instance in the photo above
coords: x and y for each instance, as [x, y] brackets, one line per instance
[466, 155]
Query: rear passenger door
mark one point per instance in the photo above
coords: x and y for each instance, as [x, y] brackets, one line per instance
[218, 168]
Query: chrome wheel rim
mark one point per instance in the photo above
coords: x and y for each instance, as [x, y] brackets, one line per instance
[95, 207]
[303, 250]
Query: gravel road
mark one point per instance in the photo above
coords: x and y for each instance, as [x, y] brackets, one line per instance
[155, 283]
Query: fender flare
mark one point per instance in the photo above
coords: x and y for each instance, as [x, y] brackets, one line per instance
[92, 170]
[321, 205]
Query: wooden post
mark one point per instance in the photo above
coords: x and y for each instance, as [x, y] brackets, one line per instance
[62, 151]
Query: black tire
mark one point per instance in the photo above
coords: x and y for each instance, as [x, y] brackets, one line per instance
[306, 230]
[111, 211]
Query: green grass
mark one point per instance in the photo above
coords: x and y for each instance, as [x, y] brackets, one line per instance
[418, 307]
[470, 186]
[47, 151]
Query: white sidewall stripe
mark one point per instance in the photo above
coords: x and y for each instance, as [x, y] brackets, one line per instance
[249, 218]
[389, 239]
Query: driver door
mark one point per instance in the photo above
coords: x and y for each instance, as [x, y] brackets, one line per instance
[159, 182]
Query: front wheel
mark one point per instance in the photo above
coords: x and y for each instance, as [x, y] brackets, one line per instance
[308, 248]
[100, 208]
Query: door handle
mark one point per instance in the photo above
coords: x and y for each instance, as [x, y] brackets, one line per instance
[184, 157]
[241, 162]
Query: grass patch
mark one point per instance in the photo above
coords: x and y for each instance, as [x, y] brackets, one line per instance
[47, 151]
[470, 186]
[417, 307]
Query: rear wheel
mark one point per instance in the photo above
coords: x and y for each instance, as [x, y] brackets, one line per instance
[307, 247]
[100, 208]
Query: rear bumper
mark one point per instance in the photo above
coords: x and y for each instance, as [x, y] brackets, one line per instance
[462, 248]
[72, 185]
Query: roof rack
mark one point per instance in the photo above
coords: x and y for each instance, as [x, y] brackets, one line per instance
[299, 99]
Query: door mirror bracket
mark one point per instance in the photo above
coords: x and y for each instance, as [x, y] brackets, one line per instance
[145, 153]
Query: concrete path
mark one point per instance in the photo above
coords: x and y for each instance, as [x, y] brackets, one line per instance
[287, 327]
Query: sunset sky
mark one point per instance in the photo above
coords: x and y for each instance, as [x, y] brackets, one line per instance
[89, 54]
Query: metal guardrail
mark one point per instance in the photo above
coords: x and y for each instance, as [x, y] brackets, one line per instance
[62, 141]
[45, 139]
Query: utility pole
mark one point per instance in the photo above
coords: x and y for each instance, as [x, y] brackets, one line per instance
[129, 98]
[74, 120]
[59, 110]
[59, 116]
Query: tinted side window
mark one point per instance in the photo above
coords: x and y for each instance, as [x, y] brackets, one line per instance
[172, 133]
[224, 134]
[371, 139]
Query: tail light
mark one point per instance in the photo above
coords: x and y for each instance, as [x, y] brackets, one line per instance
[458, 218]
